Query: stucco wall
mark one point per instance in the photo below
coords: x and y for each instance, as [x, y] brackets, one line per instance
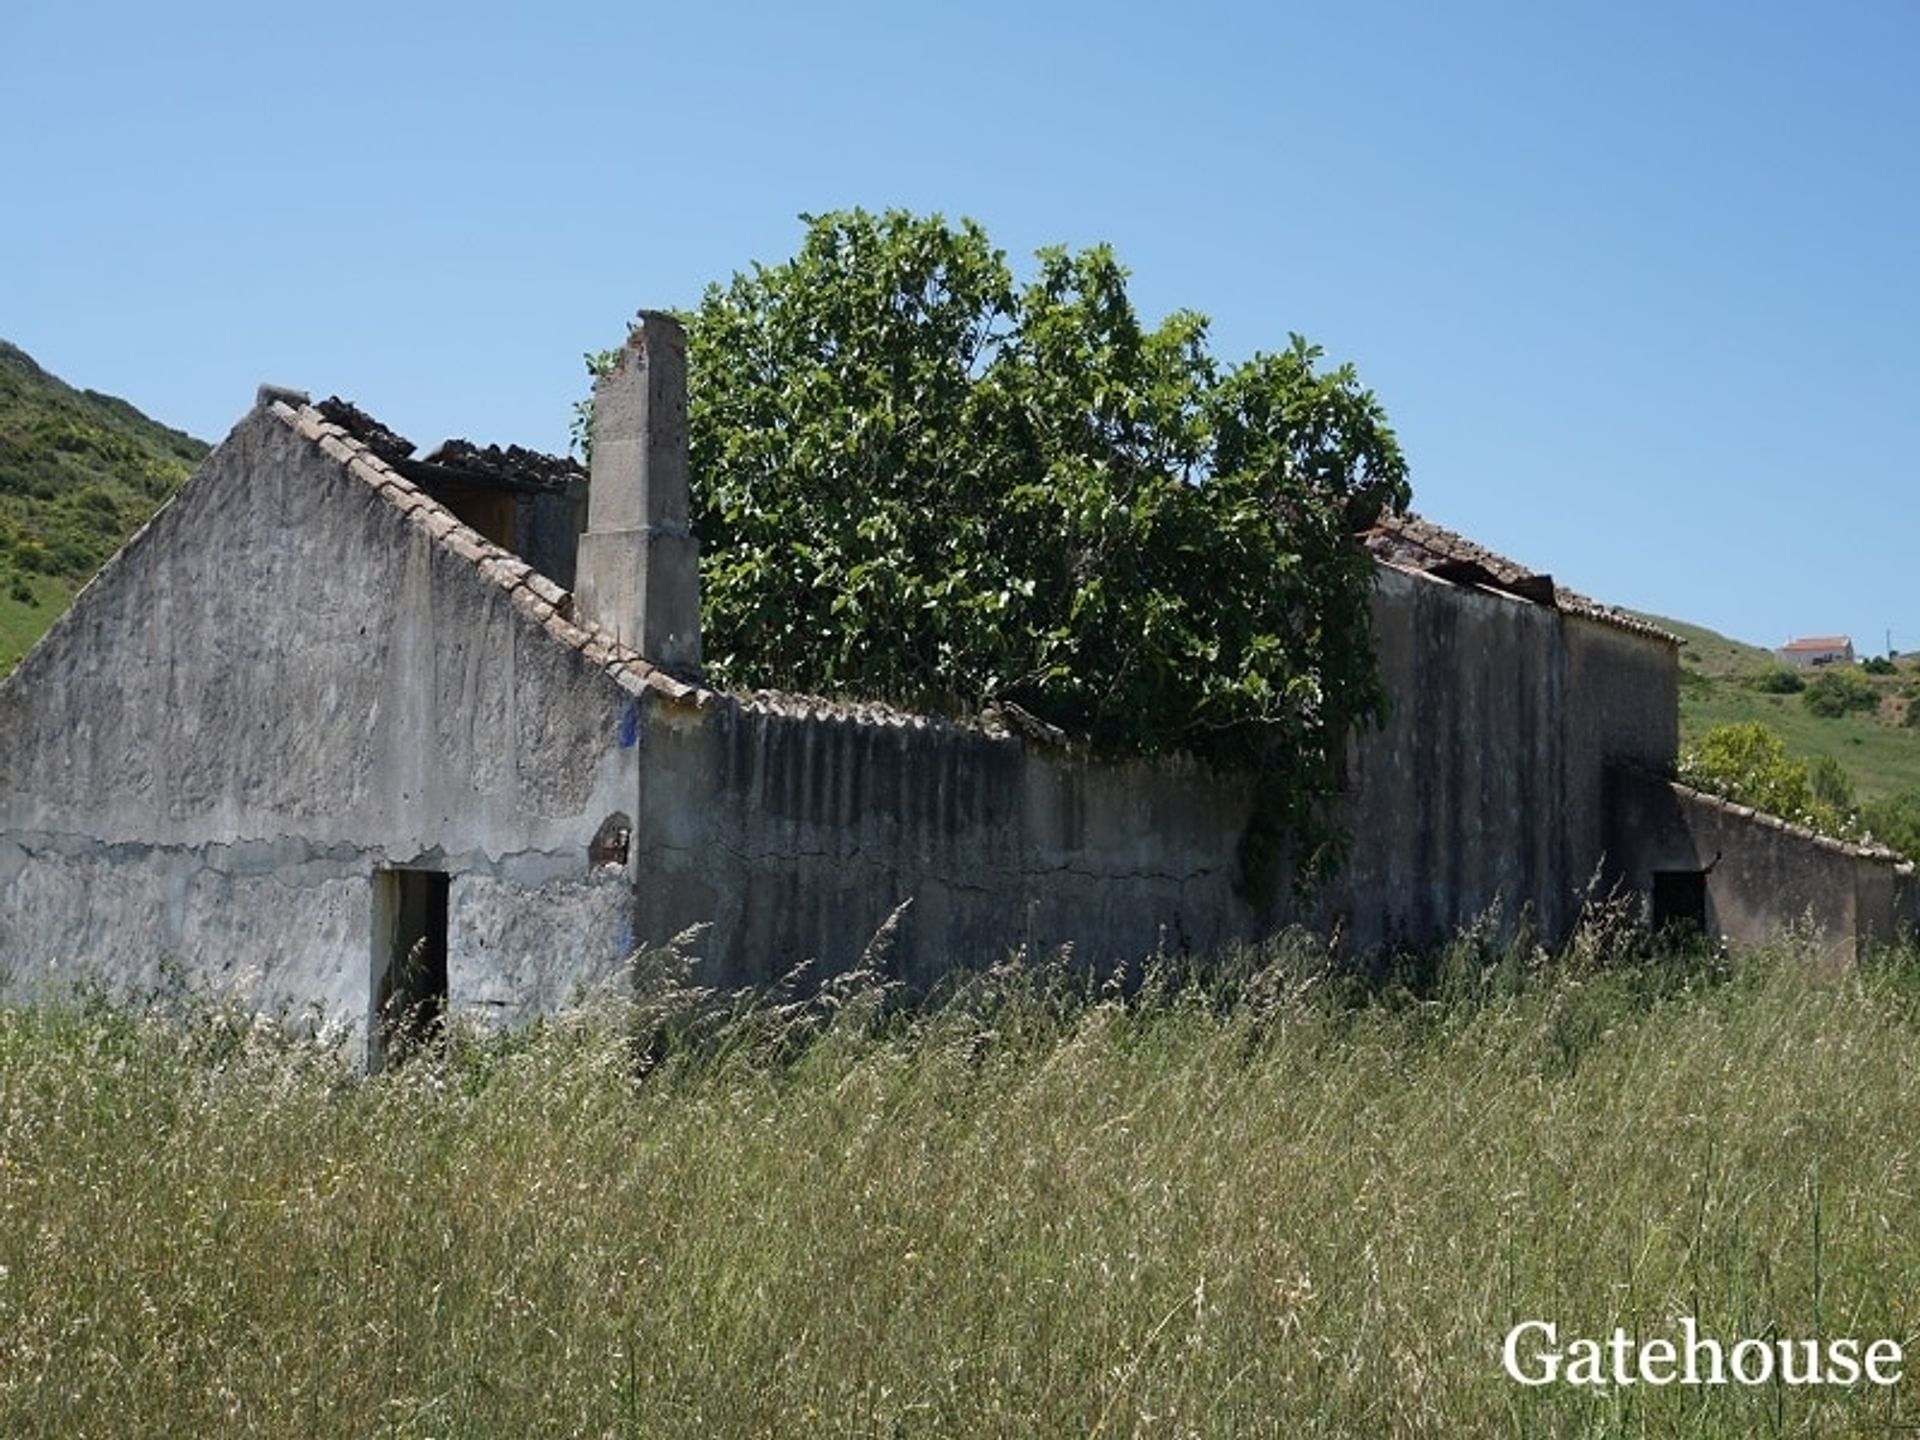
[1763, 876]
[1622, 708]
[277, 688]
[795, 834]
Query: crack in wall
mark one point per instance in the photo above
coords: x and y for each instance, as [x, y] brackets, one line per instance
[291, 860]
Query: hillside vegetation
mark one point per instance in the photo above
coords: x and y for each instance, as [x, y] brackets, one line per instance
[1836, 747]
[1726, 682]
[79, 473]
[1257, 1207]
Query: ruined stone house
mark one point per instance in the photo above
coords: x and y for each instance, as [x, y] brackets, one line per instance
[340, 726]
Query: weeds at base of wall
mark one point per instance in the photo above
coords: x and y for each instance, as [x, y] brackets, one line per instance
[1262, 1199]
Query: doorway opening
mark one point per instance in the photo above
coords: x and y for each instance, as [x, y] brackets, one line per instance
[1680, 900]
[409, 962]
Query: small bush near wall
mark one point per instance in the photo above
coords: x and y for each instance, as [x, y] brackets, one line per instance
[1895, 822]
[1748, 763]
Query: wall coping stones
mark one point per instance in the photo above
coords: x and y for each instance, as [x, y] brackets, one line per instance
[535, 596]
[1708, 800]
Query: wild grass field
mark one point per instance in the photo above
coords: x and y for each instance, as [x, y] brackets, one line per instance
[1266, 1203]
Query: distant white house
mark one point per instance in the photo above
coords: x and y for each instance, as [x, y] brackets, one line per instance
[1817, 650]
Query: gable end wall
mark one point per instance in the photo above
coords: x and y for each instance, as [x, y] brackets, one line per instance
[279, 687]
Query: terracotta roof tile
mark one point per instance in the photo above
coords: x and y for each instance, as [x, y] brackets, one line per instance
[1820, 642]
[1410, 542]
[498, 567]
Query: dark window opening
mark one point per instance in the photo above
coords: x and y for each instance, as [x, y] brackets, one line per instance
[494, 513]
[410, 962]
[1680, 900]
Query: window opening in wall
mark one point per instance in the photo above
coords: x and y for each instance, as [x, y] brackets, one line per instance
[1680, 900]
[409, 962]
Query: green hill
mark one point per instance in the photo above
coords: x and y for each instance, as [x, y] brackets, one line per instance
[1707, 652]
[79, 473]
[1863, 724]
[1724, 682]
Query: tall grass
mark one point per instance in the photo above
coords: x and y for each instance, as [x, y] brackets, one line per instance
[1253, 1205]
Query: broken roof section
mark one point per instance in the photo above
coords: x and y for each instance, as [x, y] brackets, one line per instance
[548, 604]
[1408, 542]
[456, 461]
[532, 504]
[431, 491]
[358, 448]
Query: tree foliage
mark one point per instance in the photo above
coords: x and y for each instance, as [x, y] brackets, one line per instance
[919, 479]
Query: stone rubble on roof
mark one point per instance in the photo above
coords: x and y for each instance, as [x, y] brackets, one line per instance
[512, 466]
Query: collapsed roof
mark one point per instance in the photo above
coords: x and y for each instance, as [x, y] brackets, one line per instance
[1408, 542]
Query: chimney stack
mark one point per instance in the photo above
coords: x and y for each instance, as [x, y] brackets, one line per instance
[639, 567]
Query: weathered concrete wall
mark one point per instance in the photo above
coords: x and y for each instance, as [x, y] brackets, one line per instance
[1906, 901]
[1763, 876]
[286, 685]
[1487, 783]
[1458, 801]
[1622, 708]
[277, 688]
[795, 835]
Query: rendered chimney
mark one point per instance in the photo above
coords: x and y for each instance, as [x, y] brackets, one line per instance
[639, 566]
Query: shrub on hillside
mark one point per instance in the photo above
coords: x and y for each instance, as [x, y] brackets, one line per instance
[1894, 821]
[1834, 693]
[1778, 680]
[1830, 786]
[1877, 665]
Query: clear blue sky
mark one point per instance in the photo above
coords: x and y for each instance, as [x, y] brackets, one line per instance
[1639, 285]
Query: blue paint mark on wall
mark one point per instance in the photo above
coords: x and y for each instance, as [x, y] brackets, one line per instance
[630, 726]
